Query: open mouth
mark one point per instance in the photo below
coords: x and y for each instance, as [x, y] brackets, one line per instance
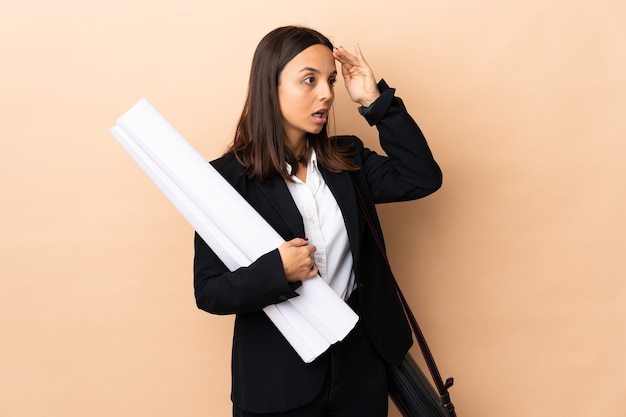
[320, 116]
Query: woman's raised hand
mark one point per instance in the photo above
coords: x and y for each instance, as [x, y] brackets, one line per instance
[357, 75]
[297, 261]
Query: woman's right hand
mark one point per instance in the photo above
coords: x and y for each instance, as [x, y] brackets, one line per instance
[297, 260]
[358, 76]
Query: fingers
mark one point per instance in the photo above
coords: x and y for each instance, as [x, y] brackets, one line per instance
[311, 273]
[297, 261]
[345, 57]
[358, 76]
[360, 56]
[353, 67]
[298, 241]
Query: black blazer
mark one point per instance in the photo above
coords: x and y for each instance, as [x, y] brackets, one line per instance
[267, 374]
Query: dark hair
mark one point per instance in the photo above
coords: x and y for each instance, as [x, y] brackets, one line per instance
[259, 143]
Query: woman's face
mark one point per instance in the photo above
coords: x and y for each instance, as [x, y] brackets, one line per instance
[305, 92]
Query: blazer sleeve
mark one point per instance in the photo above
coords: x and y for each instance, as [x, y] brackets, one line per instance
[408, 171]
[247, 289]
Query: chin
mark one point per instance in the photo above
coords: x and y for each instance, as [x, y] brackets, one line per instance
[318, 130]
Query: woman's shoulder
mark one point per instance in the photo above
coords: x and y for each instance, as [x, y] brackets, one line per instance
[225, 160]
[229, 166]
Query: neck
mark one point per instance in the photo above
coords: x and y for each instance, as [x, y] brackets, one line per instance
[297, 147]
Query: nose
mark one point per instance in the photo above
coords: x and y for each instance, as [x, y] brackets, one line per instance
[325, 92]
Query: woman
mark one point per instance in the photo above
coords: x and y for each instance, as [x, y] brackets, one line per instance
[303, 183]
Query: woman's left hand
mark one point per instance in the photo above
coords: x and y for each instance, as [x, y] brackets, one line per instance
[358, 76]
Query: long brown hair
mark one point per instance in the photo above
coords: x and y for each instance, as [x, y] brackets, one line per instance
[259, 143]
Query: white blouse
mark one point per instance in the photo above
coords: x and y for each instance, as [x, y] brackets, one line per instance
[325, 228]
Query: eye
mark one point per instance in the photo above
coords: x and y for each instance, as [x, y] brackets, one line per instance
[332, 82]
[309, 80]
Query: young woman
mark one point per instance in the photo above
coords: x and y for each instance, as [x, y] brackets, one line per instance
[303, 183]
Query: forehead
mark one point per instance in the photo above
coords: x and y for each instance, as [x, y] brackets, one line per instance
[316, 57]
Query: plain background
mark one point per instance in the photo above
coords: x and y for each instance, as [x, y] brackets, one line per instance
[515, 268]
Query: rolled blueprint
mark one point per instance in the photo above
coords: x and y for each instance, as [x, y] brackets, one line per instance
[238, 235]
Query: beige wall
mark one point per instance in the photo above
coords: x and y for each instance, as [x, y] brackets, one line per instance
[515, 268]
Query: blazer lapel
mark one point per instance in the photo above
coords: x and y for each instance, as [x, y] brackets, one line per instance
[342, 188]
[280, 199]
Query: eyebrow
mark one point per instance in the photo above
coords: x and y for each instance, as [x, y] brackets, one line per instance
[311, 69]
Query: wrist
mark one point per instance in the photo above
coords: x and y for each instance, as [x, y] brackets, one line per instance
[369, 100]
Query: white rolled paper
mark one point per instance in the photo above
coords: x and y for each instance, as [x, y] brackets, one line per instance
[238, 235]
